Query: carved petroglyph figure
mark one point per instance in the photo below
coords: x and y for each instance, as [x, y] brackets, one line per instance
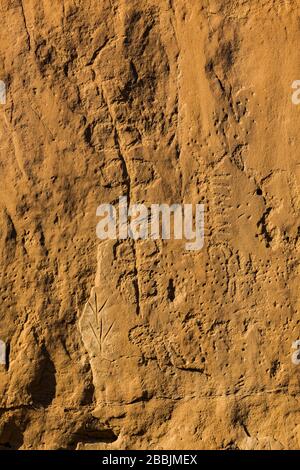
[104, 325]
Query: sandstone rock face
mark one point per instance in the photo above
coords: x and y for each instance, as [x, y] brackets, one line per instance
[142, 344]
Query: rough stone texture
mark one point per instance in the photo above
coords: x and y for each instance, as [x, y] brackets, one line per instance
[144, 345]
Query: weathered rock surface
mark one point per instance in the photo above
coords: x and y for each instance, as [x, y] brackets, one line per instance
[142, 344]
